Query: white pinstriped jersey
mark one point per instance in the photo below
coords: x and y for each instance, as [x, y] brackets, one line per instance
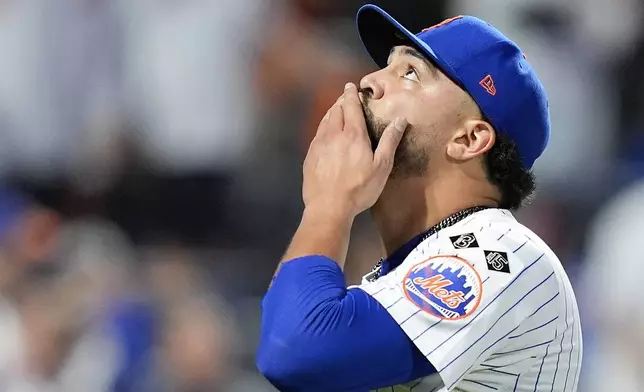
[490, 306]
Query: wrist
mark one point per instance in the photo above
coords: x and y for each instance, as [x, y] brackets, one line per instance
[324, 230]
[333, 212]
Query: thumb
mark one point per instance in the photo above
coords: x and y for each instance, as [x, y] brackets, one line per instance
[386, 150]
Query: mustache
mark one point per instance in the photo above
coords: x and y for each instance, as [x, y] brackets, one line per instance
[365, 93]
[373, 127]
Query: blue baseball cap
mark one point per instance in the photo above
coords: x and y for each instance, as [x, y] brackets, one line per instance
[482, 61]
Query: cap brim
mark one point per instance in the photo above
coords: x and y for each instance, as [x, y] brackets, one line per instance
[380, 32]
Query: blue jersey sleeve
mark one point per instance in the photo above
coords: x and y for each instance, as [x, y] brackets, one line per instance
[318, 336]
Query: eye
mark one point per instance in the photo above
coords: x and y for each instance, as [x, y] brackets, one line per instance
[411, 74]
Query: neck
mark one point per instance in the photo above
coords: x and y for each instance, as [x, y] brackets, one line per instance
[408, 207]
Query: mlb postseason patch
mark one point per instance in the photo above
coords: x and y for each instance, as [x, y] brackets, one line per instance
[497, 261]
[464, 241]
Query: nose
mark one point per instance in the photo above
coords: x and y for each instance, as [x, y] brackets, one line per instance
[372, 85]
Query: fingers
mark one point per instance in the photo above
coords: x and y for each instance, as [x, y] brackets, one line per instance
[336, 116]
[333, 119]
[353, 114]
[386, 150]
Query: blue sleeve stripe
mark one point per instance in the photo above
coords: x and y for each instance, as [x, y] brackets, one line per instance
[536, 383]
[522, 245]
[534, 329]
[379, 291]
[525, 348]
[509, 333]
[501, 372]
[572, 335]
[502, 235]
[493, 366]
[545, 303]
[577, 370]
[409, 318]
[503, 337]
[428, 328]
[554, 378]
[490, 303]
[496, 322]
[395, 302]
[480, 383]
[516, 383]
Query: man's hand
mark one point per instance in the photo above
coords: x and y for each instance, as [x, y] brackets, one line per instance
[342, 178]
[341, 172]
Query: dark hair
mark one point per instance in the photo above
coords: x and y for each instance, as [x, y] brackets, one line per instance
[505, 169]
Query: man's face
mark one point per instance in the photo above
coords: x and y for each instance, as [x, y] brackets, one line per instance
[412, 87]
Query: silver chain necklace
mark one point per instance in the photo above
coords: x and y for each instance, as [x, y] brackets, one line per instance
[447, 222]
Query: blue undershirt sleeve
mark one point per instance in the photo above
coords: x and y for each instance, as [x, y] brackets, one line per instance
[318, 336]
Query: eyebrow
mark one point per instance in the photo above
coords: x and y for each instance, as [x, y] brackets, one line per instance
[409, 51]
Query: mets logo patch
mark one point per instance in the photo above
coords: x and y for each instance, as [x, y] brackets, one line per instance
[447, 287]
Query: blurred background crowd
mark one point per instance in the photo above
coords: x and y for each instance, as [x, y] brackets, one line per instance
[150, 171]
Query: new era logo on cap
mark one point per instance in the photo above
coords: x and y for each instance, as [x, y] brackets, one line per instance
[488, 84]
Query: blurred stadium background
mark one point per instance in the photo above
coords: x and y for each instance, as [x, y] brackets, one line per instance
[150, 157]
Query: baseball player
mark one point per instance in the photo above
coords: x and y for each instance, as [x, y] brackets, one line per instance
[438, 144]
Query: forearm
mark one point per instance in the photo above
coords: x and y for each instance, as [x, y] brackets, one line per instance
[323, 232]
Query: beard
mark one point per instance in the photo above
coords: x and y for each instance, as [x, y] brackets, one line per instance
[411, 159]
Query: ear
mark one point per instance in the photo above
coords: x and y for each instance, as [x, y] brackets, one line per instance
[473, 139]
